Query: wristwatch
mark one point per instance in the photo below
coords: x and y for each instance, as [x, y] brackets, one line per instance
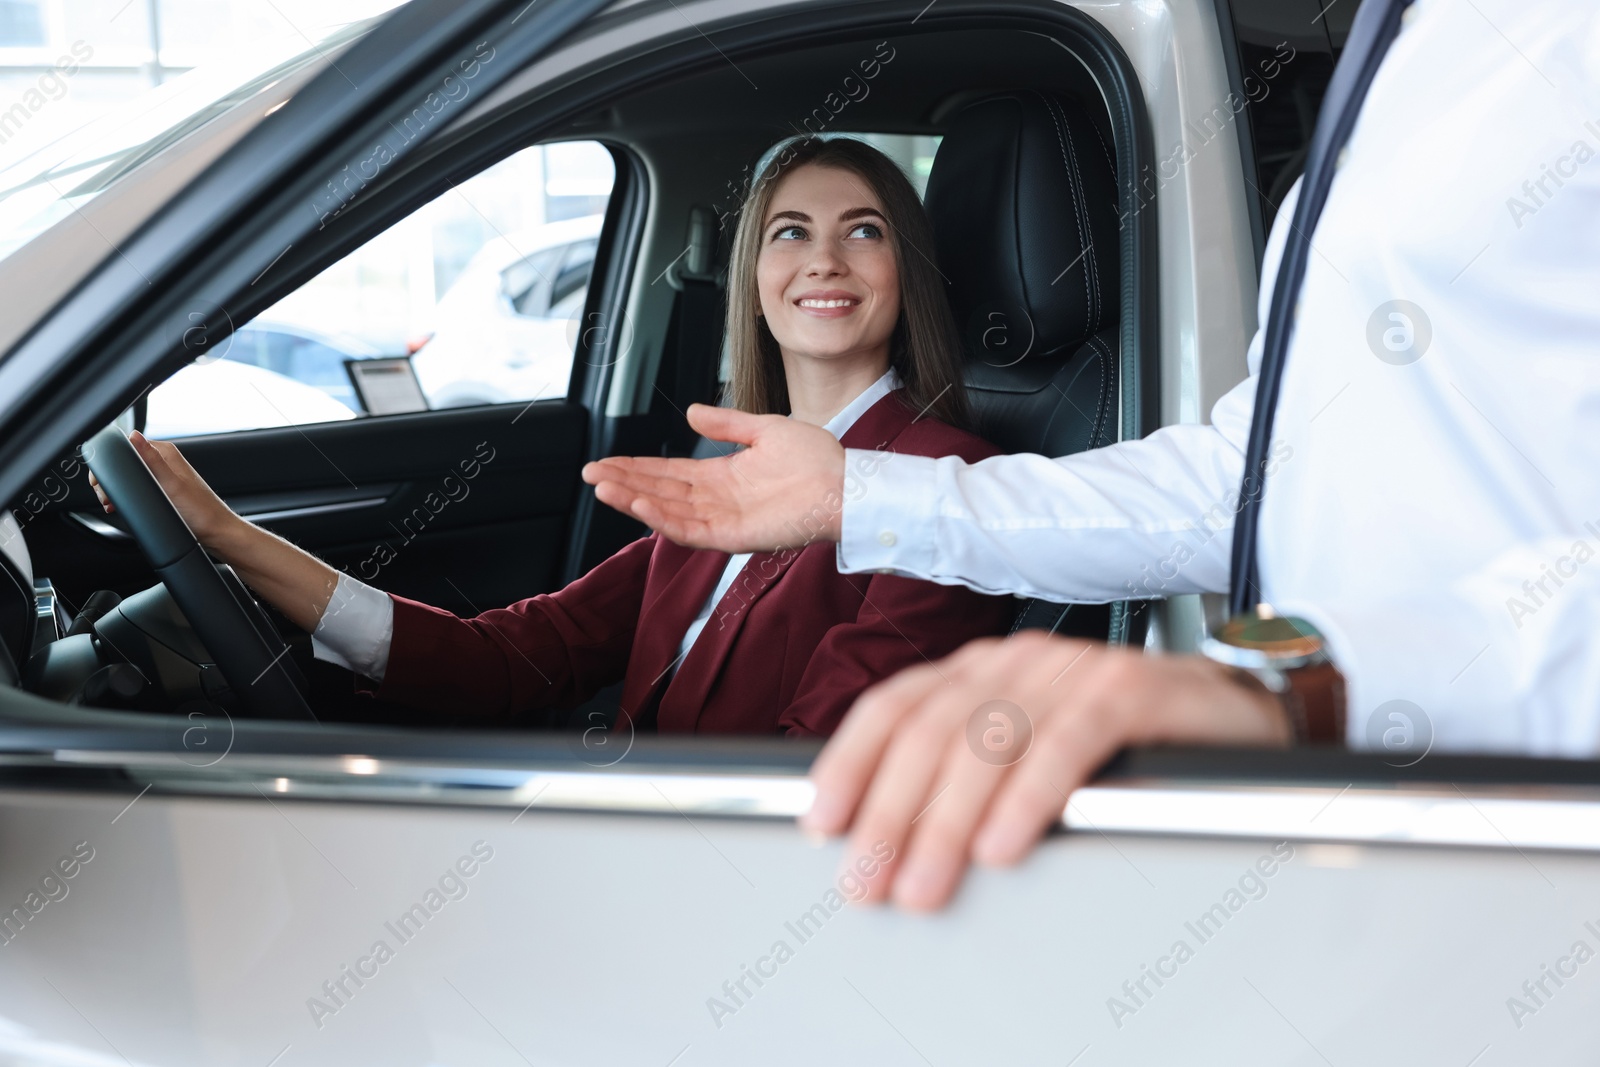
[1288, 657]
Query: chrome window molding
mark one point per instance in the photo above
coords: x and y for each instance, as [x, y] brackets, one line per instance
[1550, 817]
[364, 778]
[49, 611]
[1525, 817]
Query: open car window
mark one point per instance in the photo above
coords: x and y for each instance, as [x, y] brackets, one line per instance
[482, 289]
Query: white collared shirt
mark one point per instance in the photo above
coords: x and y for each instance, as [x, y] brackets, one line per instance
[1433, 494]
[357, 626]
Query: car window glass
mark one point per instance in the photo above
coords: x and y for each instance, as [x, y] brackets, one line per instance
[45, 177]
[482, 288]
[21, 23]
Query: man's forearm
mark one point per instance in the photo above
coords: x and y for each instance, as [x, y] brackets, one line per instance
[1137, 520]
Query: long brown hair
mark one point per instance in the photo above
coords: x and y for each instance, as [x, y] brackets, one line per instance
[924, 347]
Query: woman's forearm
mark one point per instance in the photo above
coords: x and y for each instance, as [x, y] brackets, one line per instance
[289, 578]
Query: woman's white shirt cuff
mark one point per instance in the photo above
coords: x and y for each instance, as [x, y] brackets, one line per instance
[356, 628]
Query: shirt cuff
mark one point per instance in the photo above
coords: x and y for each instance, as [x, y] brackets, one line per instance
[887, 525]
[356, 628]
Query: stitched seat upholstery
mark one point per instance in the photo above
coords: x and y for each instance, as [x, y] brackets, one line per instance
[1023, 201]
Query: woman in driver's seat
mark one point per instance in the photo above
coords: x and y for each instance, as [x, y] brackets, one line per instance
[835, 316]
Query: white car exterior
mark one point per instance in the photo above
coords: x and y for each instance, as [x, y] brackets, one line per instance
[506, 327]
[223, 395]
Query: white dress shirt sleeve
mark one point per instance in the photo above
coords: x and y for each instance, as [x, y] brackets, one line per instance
[1135, 520]
[356, 628]
[1140, 519]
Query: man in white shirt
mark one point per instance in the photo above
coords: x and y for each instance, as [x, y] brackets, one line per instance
[1432, 504]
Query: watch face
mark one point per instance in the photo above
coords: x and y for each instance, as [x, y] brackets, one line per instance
[1275, 635]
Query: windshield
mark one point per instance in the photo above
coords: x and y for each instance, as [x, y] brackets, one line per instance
[42, 183]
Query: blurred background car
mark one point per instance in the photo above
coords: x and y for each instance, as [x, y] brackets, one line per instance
[485, 284]
[303, 355]
[268, 373]
[505, 328]
[215, 397]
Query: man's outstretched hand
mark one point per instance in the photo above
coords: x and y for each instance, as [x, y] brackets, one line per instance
[973, 758]
[785, 489]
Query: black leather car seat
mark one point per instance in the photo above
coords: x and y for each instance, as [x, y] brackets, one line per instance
[1023, 200]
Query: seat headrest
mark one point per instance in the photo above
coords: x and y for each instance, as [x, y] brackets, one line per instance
[1023, 200]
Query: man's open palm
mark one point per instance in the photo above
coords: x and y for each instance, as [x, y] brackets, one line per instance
[784, 489]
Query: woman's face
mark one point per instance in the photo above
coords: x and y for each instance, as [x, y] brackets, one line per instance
[829, 285]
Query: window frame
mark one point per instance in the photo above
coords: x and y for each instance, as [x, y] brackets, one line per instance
[475, 145]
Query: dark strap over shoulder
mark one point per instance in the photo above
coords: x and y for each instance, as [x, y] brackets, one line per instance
[1376, 26]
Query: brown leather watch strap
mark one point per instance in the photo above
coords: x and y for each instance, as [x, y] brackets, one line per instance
[1315, 701]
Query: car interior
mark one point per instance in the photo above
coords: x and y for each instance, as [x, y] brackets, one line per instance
[1049, 288]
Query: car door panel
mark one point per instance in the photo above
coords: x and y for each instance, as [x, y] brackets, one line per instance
[468, 508]
[672, 930]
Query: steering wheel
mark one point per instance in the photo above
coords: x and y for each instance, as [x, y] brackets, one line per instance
[249, 653]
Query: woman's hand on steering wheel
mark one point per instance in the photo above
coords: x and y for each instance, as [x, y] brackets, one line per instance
[204, 512]
[295, 582]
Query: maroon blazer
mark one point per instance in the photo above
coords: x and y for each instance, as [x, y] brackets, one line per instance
[787, 649]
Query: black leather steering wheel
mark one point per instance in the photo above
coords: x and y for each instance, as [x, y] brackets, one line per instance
[251, 656]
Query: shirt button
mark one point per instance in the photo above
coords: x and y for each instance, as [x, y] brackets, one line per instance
[1408, 15]
[1342, 158]
[887, 539]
